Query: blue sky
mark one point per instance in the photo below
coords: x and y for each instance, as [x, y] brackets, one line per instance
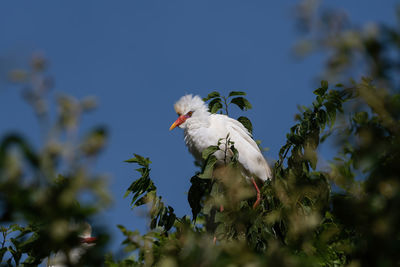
[139, 57]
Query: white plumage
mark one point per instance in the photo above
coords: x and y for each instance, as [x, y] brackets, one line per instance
[203, 129]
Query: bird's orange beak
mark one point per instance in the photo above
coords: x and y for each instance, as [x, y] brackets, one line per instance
[181, 119]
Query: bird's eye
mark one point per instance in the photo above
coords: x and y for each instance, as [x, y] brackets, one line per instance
[189, 114]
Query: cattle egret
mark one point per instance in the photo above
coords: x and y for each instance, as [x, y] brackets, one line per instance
[203, 129]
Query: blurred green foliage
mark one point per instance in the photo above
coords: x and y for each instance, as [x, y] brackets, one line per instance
[42, 190]
[350, 50]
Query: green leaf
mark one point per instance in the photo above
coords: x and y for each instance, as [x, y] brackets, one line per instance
[322, 118]
[234, 93]
[235, 156]
[332, 118]
[209, 167]
[197, 191]
[15, 253]
[22, 144]
[209, 151]
[142, 186]
[295, 139]
[141, 201]
[321, 91]
[211, 95]
[215, 105]
[140, 160]
[216, 190]
[242, 103]
[169, 219]
[17, 227]
[122, 228]
[30, 261]
[324, 136]
[246, 123]
[324, 85]
[3, 250]
[29, 241]
[153, 223]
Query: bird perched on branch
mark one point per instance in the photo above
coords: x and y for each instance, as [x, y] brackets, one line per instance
[203, 129]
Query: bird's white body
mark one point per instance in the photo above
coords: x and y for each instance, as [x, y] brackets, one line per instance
[203, 129]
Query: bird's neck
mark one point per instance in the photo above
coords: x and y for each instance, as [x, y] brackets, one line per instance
[200, 118]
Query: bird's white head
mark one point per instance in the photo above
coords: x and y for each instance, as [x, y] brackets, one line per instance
[187, 107]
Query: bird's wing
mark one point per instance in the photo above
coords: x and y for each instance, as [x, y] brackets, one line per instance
[250, 155]
[238, 128]
[224, 125]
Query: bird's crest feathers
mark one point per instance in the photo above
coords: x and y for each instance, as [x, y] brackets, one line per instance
[190, 103]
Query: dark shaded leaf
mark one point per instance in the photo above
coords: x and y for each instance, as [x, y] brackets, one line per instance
[197, 191]
[2, 252]
[211, 95]
[208, 168]
[242, 103]
[21, 143]
[321, 91]
[246, 123]
[215, 105]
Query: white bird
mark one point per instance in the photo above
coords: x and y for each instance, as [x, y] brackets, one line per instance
[86, 239]
[203, 129]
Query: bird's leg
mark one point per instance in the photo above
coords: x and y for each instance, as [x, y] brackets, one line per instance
[258, 193]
